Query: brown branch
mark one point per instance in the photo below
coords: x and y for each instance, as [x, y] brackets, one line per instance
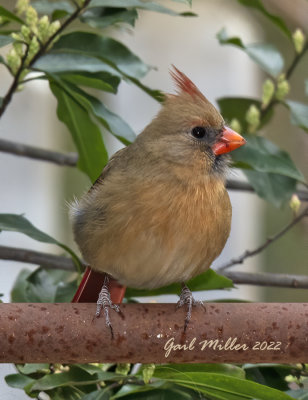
[8, 97]
[24, 150]
[250, 253]
[268, 279]
[68, 333]
[50, 261]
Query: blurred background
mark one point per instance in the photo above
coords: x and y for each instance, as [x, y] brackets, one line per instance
[41, 190]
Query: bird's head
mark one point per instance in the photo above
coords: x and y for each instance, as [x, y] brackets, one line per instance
[189, 131]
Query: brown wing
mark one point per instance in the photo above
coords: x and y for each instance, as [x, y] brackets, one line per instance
[107, 168]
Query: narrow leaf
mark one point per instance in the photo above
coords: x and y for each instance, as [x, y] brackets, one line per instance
[257, 4]
[18, 381]
[85, 133]
[49, 8]
[100, 80]
[9, 16]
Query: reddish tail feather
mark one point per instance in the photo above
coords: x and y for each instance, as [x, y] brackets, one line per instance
[91, 285]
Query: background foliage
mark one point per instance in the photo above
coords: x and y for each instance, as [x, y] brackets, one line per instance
[84, 58]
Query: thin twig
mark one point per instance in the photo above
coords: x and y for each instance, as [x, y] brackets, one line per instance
[268, 279]
[8, 97]
[51, 261]
[24, 150]
[250, 253]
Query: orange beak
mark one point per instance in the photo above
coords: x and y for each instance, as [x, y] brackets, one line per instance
[229, 141]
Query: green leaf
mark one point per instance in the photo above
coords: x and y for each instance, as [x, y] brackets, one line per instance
[28, 369]
[257, 4]
[72, 62]
[100, 80]
[9, 16]
[299, 114]
[237, 107]
[272, 375]
[46, 7]
[101, 394]
[274, 188]
[163, 371]
[259, 154]
[116, 125]
[18, 381]
[43, 286]
[267, 56]
[209, 280]
[144, 5]
[101, 17]
[74, 377]
[227, 387]
[85, 133]
[103, 48]
[18, 223]
[5, 39]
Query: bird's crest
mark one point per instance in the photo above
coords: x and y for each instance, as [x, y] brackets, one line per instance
[184, 84]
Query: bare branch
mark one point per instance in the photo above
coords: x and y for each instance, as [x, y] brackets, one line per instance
[50, 261]
[268, 279]
[250, 253]
[24, 150]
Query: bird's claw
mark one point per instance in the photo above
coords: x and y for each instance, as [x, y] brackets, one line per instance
[104, 302]
[186, 298]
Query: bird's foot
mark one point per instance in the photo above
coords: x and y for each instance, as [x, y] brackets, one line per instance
[186, 298]
[104, 302]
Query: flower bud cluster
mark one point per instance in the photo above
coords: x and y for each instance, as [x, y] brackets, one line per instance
[31, 37]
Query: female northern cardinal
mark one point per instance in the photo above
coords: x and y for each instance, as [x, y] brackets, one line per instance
[159, 213]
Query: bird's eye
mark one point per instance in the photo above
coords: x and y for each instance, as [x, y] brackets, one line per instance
[198, 132]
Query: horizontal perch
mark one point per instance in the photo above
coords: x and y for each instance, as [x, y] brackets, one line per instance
[153, 333]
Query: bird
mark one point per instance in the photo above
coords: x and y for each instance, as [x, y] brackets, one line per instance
[159, 213]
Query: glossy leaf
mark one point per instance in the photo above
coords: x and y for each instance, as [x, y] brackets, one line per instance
[267, 56]
[299, 114]
[103, 48]
[209, 280]
[85, 133]
[5, 39]
[75, 376]
[226, 386]
[18, 381]
[18, 223]
[101, 17]
[6, 14]
[274, 188]
[258, 5]
[144, 5]
[237, 107]
[72, 62]
[42, 286]
[111, 121]
[47, 7]
[163, 371]
[260, 154]
[100, 80]
[28, 369]
[101, 394]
